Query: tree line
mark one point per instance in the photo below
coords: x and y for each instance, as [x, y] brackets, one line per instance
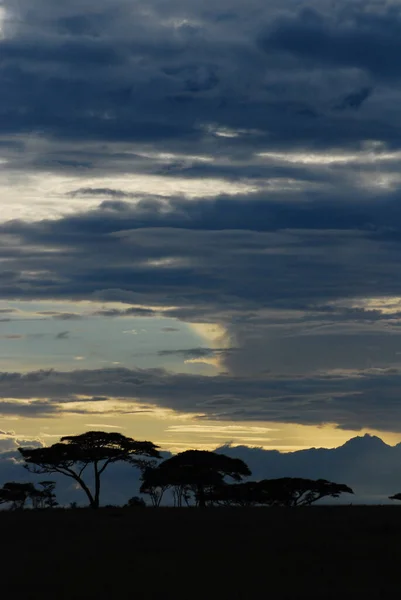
[194, 477]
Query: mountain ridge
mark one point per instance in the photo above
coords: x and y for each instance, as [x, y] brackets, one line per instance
[365, 463]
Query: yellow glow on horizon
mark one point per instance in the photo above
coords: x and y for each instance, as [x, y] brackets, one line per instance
[175, 432]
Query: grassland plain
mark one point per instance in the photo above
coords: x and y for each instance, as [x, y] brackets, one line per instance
[316, 552]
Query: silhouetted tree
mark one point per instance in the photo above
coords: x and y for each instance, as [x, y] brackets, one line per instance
[136, 502]
[235, 494]
[198, 470]
[154, 483]
[48, 497]
[296, 491]
[395, 497]
[75, 453]
[16, 494]
[286, 491]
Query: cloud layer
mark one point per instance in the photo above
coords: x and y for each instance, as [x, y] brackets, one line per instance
[230, 163]
[353, 400]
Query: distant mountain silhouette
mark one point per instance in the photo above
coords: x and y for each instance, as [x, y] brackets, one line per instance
[365, 463]
[365, 441]
[369, 466]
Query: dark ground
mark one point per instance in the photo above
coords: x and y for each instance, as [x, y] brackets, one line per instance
[316, 552]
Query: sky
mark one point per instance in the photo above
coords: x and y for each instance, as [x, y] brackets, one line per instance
[200, 224]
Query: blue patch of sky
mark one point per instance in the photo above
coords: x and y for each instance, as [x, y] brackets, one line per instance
[30, 341]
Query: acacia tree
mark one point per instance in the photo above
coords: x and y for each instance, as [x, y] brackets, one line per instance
[16, 494]
[297, 491]
[48, 497]
[154, 483]
[74, 455]
[243, 494]
[285, 491]
[196, 470]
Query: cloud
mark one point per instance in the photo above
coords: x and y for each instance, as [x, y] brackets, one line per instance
[62, 316]
[63, 335]
[354, 36]
[131, 121]
[194, 256]
[353, 400]
[190, 78]
[132, 311]
[355, 99]
[286, 280]
[190, 352]
[99, 192]
[197, 354]
[9, 442]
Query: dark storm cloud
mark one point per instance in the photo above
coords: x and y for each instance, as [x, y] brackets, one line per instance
[225, 261]
[245, 253]
[137, 73]
[102, 89]
[33, 409]
[355, 100]
[352, 37]
[352, 400]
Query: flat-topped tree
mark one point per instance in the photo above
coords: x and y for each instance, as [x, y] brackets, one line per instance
[198, 470]
[297, 491]
[286, 491]
[75, 453]
[17, 493]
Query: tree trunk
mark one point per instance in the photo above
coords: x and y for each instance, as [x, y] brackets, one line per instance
[92, 501]
[201, 497]
[97, 488]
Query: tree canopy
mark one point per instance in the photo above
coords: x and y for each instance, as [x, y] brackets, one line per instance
[192, 471]
[285, 491]
[75, 453]
[16, 494]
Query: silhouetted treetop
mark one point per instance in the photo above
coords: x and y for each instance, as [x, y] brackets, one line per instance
[74, 453]
[155, 482]
[285, 491]
[194, 470]
[16, 495]
[297, 491]
[203, 463]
